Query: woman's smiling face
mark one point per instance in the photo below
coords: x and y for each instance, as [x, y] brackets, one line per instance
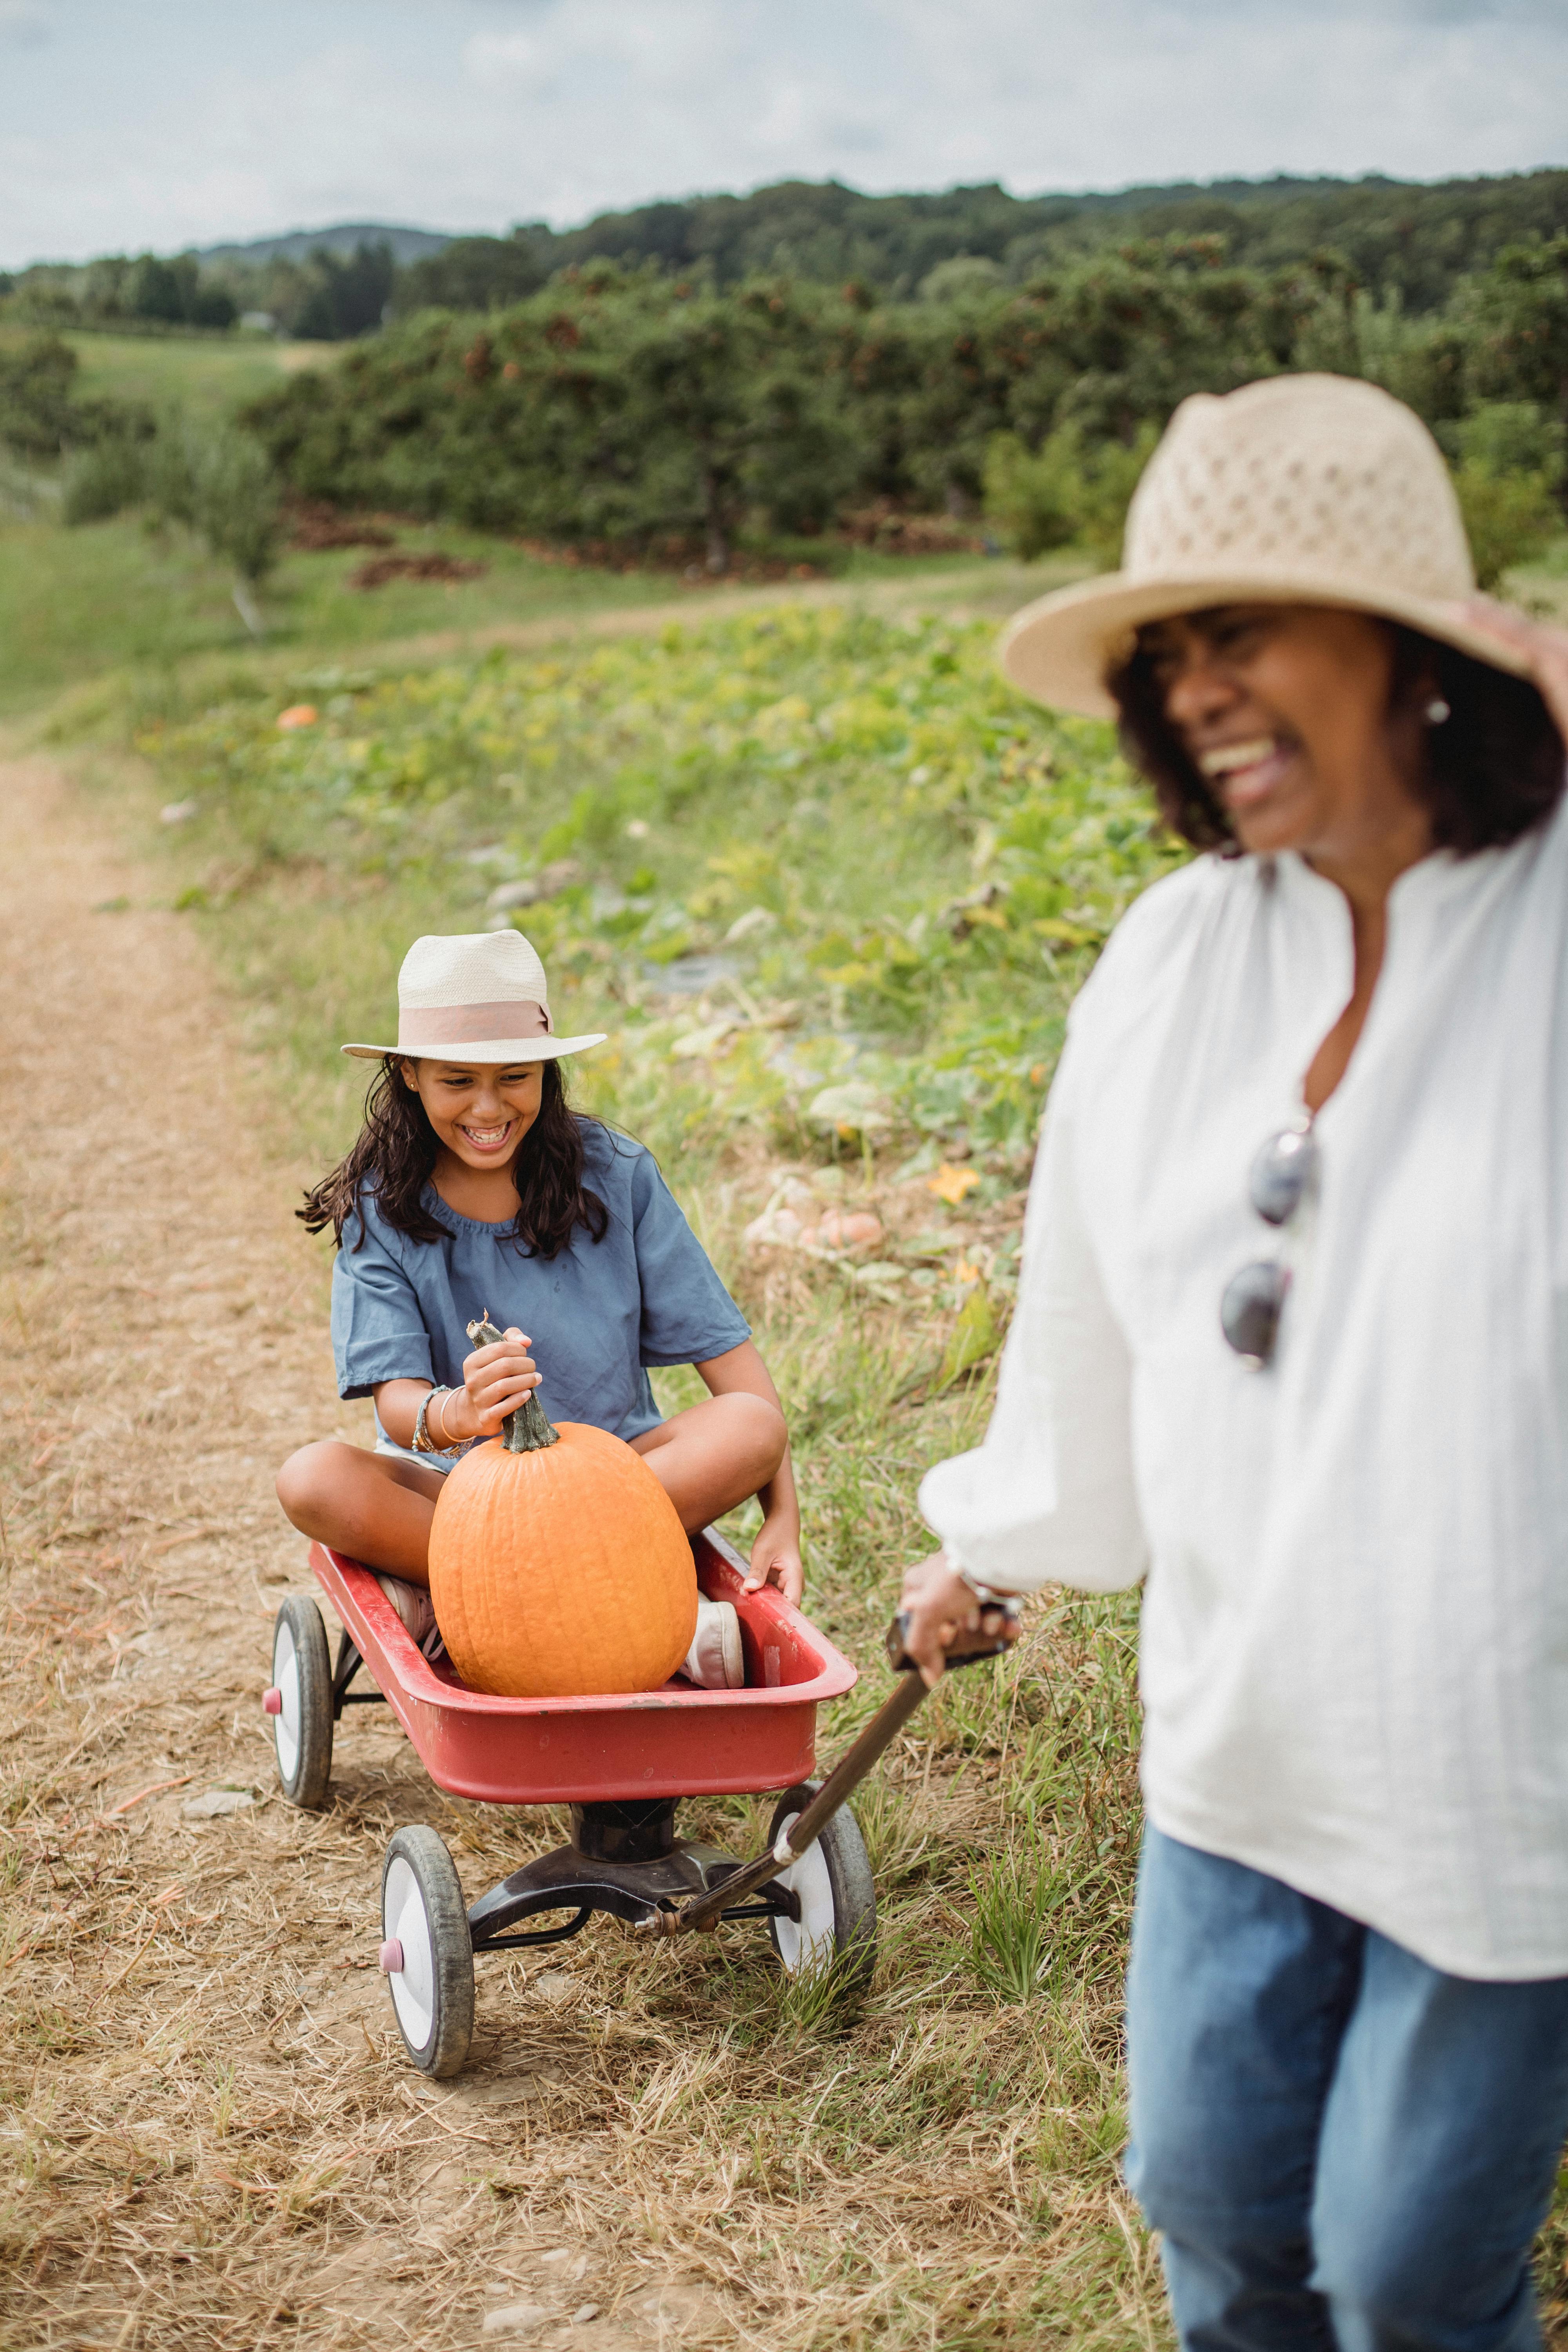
[480, 1111]
[1286, 711]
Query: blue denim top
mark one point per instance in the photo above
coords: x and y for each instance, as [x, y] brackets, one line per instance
[598, 1314]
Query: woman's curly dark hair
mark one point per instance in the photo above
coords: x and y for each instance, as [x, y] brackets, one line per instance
[1494, 768]
[395, 1157]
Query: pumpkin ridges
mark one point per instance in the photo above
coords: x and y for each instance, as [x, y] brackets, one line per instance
[563, 1572]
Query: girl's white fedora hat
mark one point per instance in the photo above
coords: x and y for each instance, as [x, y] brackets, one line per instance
[478, 997]
[1299, 490]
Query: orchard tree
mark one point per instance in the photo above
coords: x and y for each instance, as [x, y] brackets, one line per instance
[1519, 316]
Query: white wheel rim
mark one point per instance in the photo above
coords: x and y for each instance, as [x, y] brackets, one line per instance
[808, 1941]
[286, 1722]
[404, 1920]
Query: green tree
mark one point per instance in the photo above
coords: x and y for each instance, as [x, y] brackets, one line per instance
[472, 273]
[37, 381]
[1519, 315]
[1070, 491]
[348, 294]
[154, 290]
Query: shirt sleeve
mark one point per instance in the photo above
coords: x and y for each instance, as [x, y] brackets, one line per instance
[688, 1315]
[378, 1330]
[1048, 1496]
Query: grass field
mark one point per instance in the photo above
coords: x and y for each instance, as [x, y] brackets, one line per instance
[208, 375]
[830, 886]
[76, 603]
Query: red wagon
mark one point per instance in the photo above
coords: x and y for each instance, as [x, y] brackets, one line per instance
[620, 1763]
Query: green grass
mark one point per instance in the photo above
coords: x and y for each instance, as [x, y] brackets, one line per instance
[831, 887]
[903, 871]
[210, 375]
[106, 595]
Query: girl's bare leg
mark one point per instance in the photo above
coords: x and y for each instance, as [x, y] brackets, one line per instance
[715, 1455]
[378, 1511]
[369, 1505]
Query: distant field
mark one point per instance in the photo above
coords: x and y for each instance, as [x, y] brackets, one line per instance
[76, 603]
[207, 374]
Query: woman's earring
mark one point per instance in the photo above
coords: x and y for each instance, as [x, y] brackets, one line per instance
[1436, 712]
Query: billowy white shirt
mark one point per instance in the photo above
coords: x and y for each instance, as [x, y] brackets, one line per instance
[1356, 1626]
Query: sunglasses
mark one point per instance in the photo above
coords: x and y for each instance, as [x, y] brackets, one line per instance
[1254, 1301]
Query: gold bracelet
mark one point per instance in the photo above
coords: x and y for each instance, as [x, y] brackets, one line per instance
[450, 1444]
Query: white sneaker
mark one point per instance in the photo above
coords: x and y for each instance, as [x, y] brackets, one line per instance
[715, 1660]
[416, 1611]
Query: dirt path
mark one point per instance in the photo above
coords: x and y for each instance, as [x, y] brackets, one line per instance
[210, 2136]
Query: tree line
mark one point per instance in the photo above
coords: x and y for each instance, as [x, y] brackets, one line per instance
[1401, 242]
[618, 405]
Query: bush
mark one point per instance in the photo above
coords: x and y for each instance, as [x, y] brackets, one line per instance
[236, 502]
[1067, 493]
[1510, 478]
[106, 479]
[36, 380]
[1509, 517]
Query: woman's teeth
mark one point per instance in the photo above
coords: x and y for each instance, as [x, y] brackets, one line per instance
[485, 1138]
[1226, 758]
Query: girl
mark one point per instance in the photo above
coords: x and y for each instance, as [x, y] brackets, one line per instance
[474, 1190]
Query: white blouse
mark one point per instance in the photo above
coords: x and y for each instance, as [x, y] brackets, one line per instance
[1355, 1628]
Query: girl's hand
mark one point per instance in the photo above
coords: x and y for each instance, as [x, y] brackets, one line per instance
[496, 1381]
[775, 1560]
[1546, 650]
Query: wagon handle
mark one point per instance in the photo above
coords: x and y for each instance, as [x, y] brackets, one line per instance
[997, 1631]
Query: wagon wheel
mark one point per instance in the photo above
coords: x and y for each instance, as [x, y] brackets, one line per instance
[300, 1702]
[428, 1953]
[837, 1900]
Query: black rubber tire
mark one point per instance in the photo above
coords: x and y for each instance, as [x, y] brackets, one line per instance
[299, 1653]
[851, 1896]
[421, 1906]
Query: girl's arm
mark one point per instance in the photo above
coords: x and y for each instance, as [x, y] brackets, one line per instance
[776, 1554]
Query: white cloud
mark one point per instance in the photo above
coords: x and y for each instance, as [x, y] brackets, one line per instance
[186, 124]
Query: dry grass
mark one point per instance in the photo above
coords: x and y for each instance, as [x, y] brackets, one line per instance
[208, 2132]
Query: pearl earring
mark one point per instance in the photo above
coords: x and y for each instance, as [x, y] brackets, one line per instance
[1436, 712]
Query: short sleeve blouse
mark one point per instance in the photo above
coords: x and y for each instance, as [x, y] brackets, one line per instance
[598, 1314]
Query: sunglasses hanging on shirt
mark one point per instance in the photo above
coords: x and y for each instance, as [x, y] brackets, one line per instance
[1254, 1301]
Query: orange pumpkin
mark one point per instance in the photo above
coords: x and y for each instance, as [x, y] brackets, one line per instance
[559, 1567]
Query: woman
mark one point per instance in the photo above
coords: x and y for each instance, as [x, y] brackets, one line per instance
[1292, 1342]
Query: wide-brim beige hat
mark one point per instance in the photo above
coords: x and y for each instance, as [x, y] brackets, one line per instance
[480, 996]
[1300, 489]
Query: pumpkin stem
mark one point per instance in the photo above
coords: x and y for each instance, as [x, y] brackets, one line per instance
[527, 1430]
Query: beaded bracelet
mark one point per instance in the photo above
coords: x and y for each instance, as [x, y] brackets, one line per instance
[423, 1441]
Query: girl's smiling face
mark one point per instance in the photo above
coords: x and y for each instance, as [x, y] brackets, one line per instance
[481, 1111]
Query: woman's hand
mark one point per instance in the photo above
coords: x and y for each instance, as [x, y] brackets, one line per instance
[1546, 650]
[496, 1381]
[940, 1606]
[775, 1557]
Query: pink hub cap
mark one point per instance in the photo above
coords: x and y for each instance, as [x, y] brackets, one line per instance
[272, 1702]
[392, 1957]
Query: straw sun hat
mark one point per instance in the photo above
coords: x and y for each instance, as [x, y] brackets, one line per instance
[1300, 489]
[478, 997]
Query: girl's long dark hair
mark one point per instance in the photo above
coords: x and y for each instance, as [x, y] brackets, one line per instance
[395, 1158]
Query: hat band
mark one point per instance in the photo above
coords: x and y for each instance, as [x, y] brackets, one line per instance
[424, 1028]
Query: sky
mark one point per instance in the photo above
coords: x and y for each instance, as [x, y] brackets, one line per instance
[127, 124]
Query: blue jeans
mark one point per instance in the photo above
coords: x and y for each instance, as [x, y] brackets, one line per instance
[1345, 2150]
